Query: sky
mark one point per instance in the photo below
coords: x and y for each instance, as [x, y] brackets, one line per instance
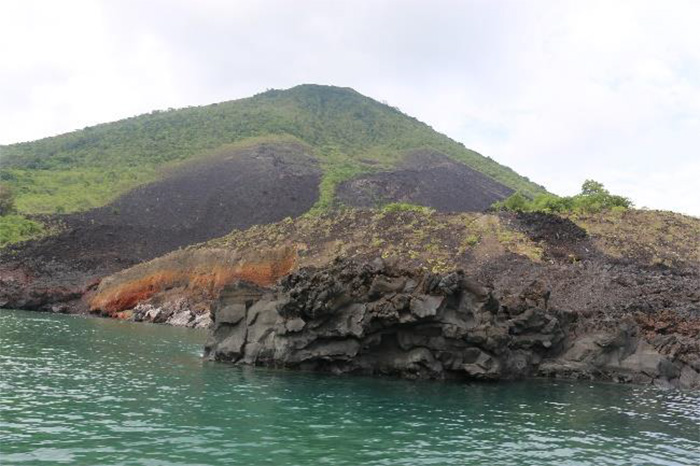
[560, 91]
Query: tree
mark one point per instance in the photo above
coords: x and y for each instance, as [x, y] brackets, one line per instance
[595, 198]
[7, 200]
[592, 187]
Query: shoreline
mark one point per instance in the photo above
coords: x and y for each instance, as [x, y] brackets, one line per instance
[596, 297]
[454, 379]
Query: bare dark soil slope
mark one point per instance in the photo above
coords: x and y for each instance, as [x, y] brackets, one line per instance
[209, 198]
[197, 202]
[426, 178]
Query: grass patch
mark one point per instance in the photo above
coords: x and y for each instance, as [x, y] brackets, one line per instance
[406, 207]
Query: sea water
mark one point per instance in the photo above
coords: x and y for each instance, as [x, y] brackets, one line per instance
[88, 391]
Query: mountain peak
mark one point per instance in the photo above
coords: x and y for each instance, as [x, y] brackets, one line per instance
[349, 133]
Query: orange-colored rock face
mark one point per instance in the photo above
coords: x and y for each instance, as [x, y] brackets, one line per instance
[131, 293]
[202, 279]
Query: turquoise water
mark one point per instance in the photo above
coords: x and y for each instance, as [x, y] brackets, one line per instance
[100, 392]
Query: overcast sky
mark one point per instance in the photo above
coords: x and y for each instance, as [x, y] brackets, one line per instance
[559, 91]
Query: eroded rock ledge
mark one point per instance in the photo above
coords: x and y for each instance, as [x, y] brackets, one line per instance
[376, 318]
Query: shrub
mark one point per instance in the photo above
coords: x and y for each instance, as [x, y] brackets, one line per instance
[592, 198]
[517, 203]
[551, 203]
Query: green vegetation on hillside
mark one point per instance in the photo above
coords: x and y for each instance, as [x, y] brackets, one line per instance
[592, 198]
[350, 134]
[406, 207]
[77, 189]
[15, 228]
[7, 200]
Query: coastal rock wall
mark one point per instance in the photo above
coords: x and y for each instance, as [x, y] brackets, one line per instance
[376, 318]
[622, 353]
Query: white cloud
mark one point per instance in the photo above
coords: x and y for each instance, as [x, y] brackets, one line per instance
[560, 91]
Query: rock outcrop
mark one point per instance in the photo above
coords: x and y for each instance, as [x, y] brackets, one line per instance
[376, 318]
[621, 353]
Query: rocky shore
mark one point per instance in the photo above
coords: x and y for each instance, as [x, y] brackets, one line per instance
[614, 296]
[379, 318]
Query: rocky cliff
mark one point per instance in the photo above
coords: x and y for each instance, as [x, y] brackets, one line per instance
[378, 318]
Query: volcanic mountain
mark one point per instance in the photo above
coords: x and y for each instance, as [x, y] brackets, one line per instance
[316, 228]
[117, 194]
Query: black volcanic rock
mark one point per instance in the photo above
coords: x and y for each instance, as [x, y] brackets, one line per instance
[376, 318]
